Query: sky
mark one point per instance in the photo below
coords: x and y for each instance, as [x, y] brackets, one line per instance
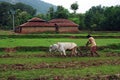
[84, 5]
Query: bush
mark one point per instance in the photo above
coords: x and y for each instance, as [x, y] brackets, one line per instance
[52, 36]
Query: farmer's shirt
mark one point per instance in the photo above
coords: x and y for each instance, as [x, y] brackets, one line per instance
[92, 41]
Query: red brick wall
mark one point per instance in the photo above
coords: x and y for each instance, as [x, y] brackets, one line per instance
[36, 29]
[48, 29]
[68, 29]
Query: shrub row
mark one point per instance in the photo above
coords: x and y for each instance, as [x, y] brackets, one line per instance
[52, 36]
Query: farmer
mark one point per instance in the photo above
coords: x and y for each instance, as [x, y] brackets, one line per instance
[56, 28]
[92, 43]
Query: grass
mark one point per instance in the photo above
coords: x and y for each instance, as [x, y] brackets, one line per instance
[48, 41]
[81, 33]
[29, 59]
[5, 32]
[51, 73]
[35, 60]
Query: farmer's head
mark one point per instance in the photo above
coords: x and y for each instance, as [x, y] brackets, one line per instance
[88, 36]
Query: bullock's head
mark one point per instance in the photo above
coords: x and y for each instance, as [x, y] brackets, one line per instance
[53, 47]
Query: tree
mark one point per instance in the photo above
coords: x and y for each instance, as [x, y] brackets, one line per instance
[103, 18]
[42, 16]
[51, 13]
[74, 7]
[81, 21]
[21, 17]
[94, 18]
[23, 13]
[61, 12]
[112, 20]
[4, 15]
[25, 7]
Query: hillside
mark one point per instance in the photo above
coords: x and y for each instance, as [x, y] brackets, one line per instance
[39, 5]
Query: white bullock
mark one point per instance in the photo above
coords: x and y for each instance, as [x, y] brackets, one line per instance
[63, 46]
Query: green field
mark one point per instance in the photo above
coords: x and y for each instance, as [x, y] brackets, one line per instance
[42, 65]
[28, 66]
[49, 41]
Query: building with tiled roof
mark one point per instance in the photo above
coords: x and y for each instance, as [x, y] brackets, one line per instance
[65, 25]
[35, 25]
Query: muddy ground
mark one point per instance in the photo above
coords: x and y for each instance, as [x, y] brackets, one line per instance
[62, 65]
[100, 77]
[72, 64]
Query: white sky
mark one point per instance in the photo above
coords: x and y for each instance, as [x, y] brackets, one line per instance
[84, 5]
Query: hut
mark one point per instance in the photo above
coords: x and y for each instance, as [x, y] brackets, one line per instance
[35, 25]
[64, 25]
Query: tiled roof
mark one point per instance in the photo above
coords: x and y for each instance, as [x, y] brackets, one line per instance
[35, 19]
[37, 22]
[63, 22]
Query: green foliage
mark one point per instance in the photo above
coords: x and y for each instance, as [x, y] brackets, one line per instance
[40, 5]
[21, 17]
[112, 18]
[61, 12]
[76, 20]
[81, 21]
[22, 14]
[103, 18]
[74, 7]
[4, 14]
[51, 13]
[96, 18]
[24, 7]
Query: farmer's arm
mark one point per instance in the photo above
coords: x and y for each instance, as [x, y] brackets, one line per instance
[88, 42]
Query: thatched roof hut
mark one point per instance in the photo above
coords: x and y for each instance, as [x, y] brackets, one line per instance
[39, 25]
[65, 25]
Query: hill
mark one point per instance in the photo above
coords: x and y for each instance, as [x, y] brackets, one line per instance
[39, 5]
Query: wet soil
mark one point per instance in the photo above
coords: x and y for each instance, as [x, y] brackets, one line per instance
[62, 65]
[72, 64]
